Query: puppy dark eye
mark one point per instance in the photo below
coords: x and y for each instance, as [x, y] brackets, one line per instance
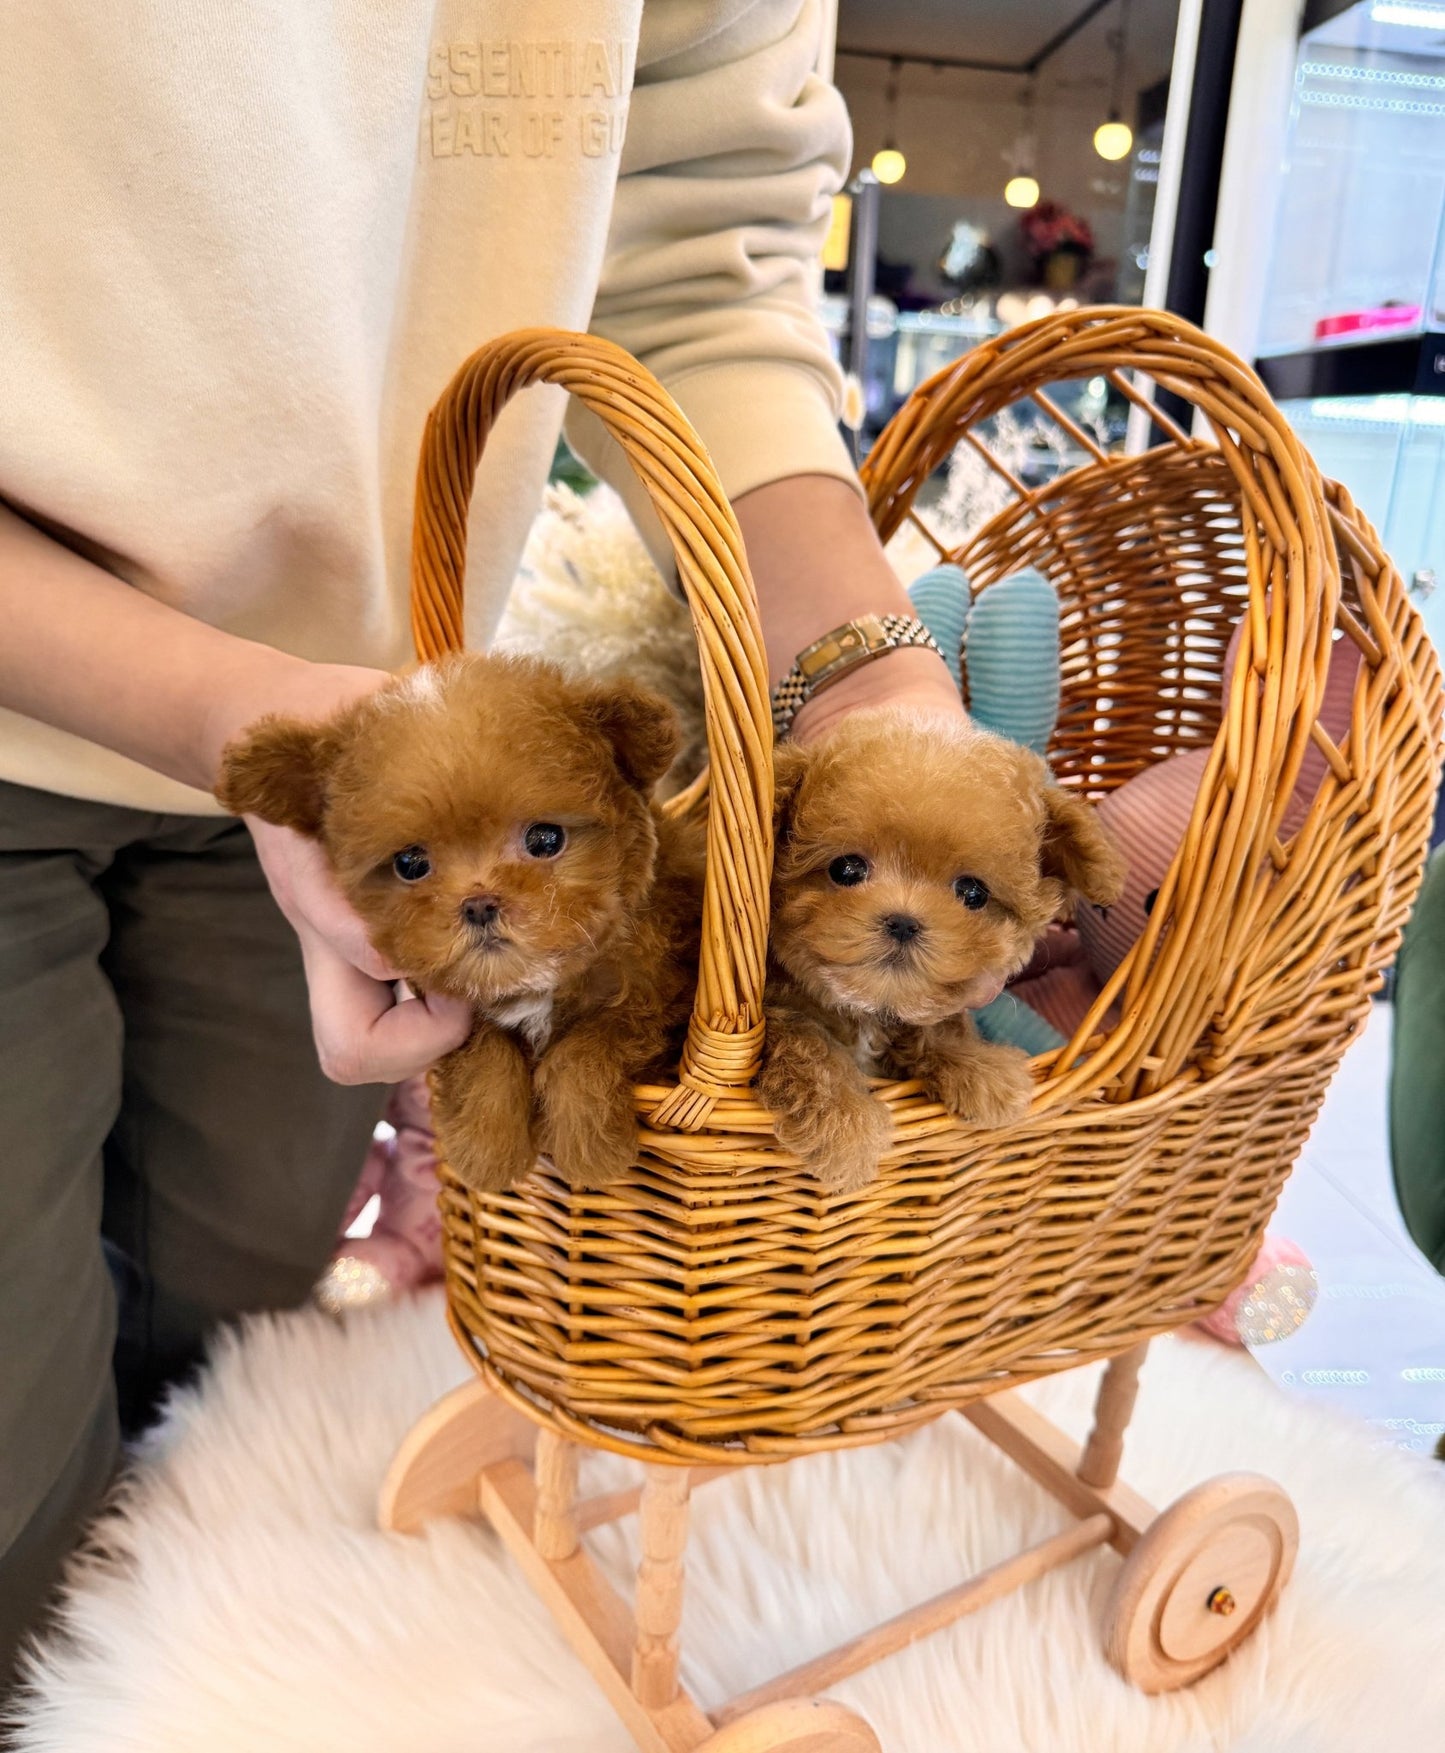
[971, 892]
[412, 864]
[849, 870]
[544, 839]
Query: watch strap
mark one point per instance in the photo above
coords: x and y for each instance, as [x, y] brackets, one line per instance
[829, 659]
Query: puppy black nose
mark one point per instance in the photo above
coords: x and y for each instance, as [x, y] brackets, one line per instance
[902, 927]
[481, 910]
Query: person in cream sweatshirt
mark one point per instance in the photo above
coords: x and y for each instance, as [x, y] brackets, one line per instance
[242, 250]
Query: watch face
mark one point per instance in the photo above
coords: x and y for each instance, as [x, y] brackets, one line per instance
[844, 645]
[822, 656]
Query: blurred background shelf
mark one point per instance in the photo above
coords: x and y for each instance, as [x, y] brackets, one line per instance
[1413, 365]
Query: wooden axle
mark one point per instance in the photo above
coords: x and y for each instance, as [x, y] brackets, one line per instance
[930, 1616]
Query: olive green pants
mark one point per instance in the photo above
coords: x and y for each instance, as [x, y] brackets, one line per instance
[170, 1154]
[1417, 1069]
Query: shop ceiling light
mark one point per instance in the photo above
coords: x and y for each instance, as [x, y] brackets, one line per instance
[889, 164]
[1022, 188]
[1401, 12]
[1114, 138]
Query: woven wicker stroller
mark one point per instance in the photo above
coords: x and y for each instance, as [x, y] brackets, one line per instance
[715, 1309]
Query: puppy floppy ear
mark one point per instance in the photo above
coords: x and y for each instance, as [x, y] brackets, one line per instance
[790, 766]
[1077, 848]
[278, 771]
[641, 727]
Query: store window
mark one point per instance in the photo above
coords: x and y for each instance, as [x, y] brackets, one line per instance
[1006, 163]
[1352, 332]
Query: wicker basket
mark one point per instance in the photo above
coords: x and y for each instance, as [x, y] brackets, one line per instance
[714, 1306]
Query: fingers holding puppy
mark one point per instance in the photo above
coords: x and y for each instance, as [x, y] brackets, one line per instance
[484, 829]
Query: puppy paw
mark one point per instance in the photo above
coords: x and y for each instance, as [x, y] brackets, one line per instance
[487, 1160]
[482, 1112]
[989, 1086]
[831, 1122]
[844, 1150]
[590, 1133]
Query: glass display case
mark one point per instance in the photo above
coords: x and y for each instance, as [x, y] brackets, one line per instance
[930, 339]
[1389, 451]
[904, 348]
[1357, 256]
[1352, 333]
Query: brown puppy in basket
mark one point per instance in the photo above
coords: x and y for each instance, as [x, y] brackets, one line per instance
[918, 862]
[491, 820]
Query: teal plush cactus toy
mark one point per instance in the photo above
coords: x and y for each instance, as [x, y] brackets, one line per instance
[1011, 659]
[941, 599]
[1007, 643]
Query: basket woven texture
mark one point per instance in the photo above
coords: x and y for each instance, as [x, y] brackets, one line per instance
[713, 1306]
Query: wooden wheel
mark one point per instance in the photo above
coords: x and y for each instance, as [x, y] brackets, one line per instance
[437, 1469]
[795, 1725]
[1205, 1573]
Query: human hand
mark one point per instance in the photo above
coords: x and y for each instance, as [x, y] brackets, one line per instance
[366, 1030]
[90, 655]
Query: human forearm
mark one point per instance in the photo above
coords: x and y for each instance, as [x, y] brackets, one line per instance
[817, 562]
[88, 653]
[85, 652]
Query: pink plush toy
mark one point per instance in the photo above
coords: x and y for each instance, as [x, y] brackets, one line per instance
[1274, 1301]
[1151, 814]
[1148, 816]
[1058, 983]
[403, 1250]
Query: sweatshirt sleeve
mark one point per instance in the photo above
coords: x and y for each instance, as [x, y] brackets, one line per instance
[734, 150]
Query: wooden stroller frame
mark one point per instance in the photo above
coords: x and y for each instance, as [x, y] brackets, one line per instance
[1196, 1581]
[1209, 1089]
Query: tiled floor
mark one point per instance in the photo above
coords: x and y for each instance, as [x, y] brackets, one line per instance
[1375, 1343]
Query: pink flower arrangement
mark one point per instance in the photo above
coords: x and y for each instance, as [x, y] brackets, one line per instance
[1049, 228]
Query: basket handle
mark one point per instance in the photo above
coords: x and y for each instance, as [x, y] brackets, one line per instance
[724, 1037]
[1168, 994]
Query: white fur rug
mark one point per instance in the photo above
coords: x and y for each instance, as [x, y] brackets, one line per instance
[248, 1602]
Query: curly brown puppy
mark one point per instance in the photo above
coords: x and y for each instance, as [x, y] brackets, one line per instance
[919, 860]
[491, 821]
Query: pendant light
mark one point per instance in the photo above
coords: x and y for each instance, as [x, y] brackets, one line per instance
[1114, 138]
[1022, 188]
[889, 164]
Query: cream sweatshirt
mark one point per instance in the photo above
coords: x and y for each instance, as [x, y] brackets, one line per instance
[244, 246]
